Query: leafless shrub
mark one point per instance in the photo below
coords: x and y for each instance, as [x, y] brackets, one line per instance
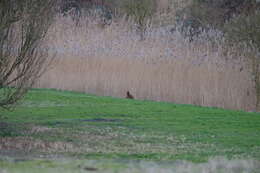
[141, 11]
[23, 25]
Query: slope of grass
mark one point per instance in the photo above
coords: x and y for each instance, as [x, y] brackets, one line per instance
[69, 124]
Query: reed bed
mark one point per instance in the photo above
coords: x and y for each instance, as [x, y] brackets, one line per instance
[111, 60]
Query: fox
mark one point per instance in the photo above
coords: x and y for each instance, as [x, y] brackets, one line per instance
[129, 96]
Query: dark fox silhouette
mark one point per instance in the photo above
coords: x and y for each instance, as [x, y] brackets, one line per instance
[129, 96]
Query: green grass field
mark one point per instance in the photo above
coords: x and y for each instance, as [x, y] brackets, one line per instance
[51, 126]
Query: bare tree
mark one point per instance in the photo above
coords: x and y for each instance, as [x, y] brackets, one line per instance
[23, 26]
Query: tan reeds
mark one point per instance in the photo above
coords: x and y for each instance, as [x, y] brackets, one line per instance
[165, 67]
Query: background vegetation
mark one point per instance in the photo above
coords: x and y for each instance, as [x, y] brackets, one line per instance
[162, 50]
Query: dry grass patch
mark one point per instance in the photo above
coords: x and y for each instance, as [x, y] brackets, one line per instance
[40, 129]
[214, 165]
[27, 144]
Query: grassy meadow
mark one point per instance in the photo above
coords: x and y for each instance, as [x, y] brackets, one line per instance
[75, 132]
